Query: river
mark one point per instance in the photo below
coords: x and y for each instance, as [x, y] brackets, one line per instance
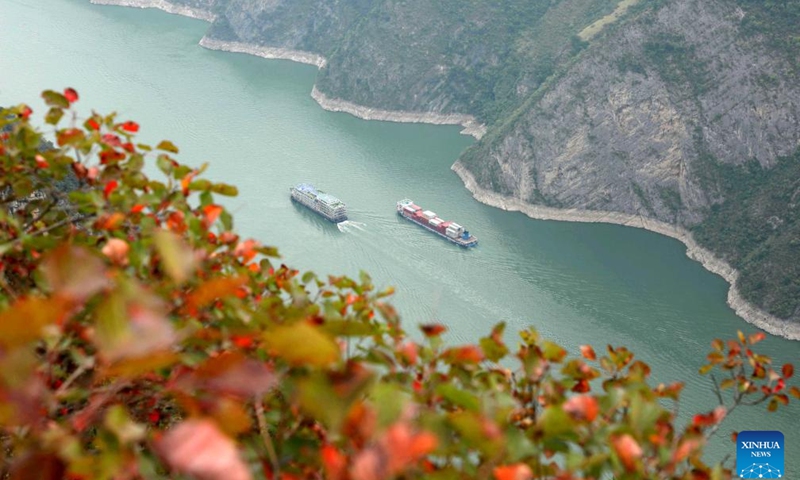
[254, 121]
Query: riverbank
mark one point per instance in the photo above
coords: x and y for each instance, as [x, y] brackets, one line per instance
[168, 7]
[710, 262]
[471, 126]
[272, 53]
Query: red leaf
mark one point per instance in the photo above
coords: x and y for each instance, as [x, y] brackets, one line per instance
[582, 407]
[582, 386]
[137, 208]
[335, 463]
[74, 272]
[588, 352]
[788, 371]
[198, 448]
[26, 112]
[408, 352]
[231, 373]
[433, 330]
[92, 124]
[110, 187]
[628, 451]
[112, 140]
[518, 471]
[41, 162]
[110, 156]
[71, 95]
[129, 126]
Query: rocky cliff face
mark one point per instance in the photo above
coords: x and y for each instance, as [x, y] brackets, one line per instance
[678, 115]
[684, 112]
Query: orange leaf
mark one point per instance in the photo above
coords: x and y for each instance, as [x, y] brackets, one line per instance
[24, 321]
[788, 370]
[211, 213]
[757, 337]
[465, 354]
[214, 289]
[517, 471]
[117, 250]
[582, 407]
[628, 450]
[198, 448]
[588, 352]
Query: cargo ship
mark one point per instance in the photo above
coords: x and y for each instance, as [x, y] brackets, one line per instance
[323, 203]
[428, 220]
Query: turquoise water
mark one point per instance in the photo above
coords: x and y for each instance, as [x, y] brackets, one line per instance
[254, 121]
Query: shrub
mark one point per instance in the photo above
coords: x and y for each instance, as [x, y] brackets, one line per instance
[141, 337]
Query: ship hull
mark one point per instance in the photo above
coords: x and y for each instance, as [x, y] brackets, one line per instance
[471, 242]
[311, 204]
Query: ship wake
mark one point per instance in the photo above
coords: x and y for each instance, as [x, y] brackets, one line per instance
[348, 226]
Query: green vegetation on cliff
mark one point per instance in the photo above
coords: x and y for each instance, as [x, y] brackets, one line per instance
[756, 228]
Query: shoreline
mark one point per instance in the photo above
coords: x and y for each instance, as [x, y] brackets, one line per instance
[163, 5]
[271, 53]
[744, 309]
[470, 124]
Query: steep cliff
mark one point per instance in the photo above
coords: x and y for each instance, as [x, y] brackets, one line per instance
[678, 113]
[687, 114]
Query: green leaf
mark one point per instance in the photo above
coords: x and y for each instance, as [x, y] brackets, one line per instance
[164, 163]
[177, 258]
[167, 146]
[54, 115]
[459, 397]
[302, 344]
[55, 99]
[555, 421]
[225, 190]
[552, 351]
[348, 328]
[121, 425]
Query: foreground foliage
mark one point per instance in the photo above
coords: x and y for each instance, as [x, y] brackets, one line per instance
[141, 337]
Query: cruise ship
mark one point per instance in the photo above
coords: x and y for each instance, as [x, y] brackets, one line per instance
[320, 202]
[428, 220]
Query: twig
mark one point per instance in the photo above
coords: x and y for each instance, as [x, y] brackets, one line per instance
[41, 214]
[86, 365]
[262, 428]
[58, 224]
[717, 390]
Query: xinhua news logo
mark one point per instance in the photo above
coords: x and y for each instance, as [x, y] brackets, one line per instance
[759, 454]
